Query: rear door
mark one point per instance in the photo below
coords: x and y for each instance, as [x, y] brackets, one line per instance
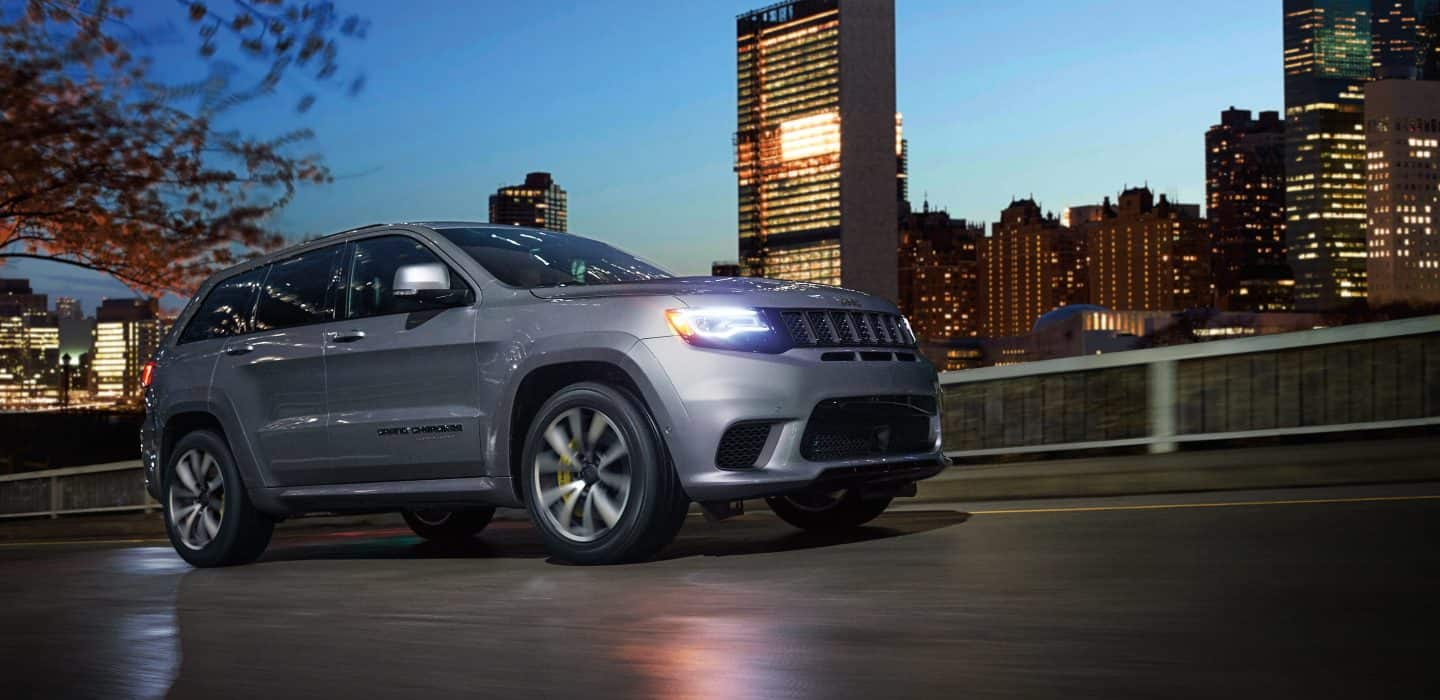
[402, 373]
[274, 375]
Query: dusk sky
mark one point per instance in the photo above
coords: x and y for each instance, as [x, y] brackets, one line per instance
[631, 106]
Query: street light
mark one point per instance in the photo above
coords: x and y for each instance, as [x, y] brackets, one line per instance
[65, 380]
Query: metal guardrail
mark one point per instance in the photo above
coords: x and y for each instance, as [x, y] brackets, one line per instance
[100, 488]
[1362, 377]
[1371, 376]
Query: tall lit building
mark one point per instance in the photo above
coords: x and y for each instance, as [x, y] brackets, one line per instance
[1402, 119]
[1029, 265]
[940, 275]
[18, 299]
[68, 308]
[1428, 40]
[29, 347]
[726, 268]
[1395, 38]
[1245, 202]
[1327, 61]
[537, 202]
[1149, 256]
[902, 173]
[127, 333]
[29, 361]
[818, 149]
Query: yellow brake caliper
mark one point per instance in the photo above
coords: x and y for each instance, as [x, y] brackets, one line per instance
[564, 477]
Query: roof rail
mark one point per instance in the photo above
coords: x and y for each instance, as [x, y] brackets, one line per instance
[351, 230]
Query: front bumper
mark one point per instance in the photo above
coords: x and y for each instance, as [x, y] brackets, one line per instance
[703, 392]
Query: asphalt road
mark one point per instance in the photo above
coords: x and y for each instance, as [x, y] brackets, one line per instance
[1327, 592]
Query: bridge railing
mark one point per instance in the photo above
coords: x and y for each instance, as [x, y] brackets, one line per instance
[1370, 376]
[1354, 378]
[97, 488]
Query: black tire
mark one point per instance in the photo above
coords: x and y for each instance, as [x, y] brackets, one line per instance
[828, 512]
[655, 505]
[448, 526]
[242, 533]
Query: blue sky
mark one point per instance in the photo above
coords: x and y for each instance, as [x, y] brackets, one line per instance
[631, 106]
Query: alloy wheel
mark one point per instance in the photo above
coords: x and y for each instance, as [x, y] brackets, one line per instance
[197, 498]
[583, 474]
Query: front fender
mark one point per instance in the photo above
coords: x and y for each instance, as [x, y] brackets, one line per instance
[617, 349]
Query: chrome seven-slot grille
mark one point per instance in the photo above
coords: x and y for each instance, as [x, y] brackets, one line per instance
[833, 327]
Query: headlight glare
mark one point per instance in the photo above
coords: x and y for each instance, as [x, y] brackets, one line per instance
[720, 326]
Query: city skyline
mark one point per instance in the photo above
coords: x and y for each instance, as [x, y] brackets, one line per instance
[1061, 121]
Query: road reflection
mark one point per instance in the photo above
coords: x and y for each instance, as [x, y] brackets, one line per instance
[726, 614]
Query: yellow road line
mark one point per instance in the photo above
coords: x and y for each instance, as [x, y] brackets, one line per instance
[1216, 504]
[35, 543]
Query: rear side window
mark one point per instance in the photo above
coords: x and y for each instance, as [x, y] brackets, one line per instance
[226, 309]
[299, 291]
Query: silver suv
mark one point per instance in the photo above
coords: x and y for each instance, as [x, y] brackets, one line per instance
[443, 369]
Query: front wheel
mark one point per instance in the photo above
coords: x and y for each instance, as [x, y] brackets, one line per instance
[597, 480]
[828, 511]
[448, 526]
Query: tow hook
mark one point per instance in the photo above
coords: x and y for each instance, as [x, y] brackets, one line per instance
[715, 511]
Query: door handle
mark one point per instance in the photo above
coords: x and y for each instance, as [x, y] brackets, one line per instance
[239, 349]
[346, 336]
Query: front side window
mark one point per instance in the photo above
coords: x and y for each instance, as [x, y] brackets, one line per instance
[372, 278]
[226, 309]
[530, 259]
[298, 290]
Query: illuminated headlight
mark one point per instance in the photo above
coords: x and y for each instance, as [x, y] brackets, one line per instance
[727, 327]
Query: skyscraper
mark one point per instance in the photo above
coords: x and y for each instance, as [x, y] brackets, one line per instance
[1395, 38]
[940, 274]
[29, 347]
[1023, 273]
[1245, 202]
[17, 298]
[1402, 120]
[538, 202]
[817, 146]
[68, 308]
[1327, 61]
[127, 333]
[1149, 256]
[725, 268]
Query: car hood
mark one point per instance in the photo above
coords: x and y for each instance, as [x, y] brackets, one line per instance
[740, 291]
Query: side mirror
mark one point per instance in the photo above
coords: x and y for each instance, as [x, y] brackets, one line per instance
[411, 280]
[427, 285]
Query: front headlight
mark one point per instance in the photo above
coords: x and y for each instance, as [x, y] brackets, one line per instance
[728, 327]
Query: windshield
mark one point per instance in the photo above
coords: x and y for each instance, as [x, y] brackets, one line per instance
[528, 258]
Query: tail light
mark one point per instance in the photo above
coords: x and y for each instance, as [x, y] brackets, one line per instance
[147, 374]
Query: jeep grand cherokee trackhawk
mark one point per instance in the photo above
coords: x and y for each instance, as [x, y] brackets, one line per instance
[442, 369]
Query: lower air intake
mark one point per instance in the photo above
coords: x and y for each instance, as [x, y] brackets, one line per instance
[868, 426]
[741, 445]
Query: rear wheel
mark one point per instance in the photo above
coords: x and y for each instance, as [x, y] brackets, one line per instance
[448, 526]
[208, 515]
[830, 511]
[597, 479]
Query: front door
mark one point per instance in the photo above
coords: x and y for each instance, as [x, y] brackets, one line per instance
[402, 373]
[274, 375]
